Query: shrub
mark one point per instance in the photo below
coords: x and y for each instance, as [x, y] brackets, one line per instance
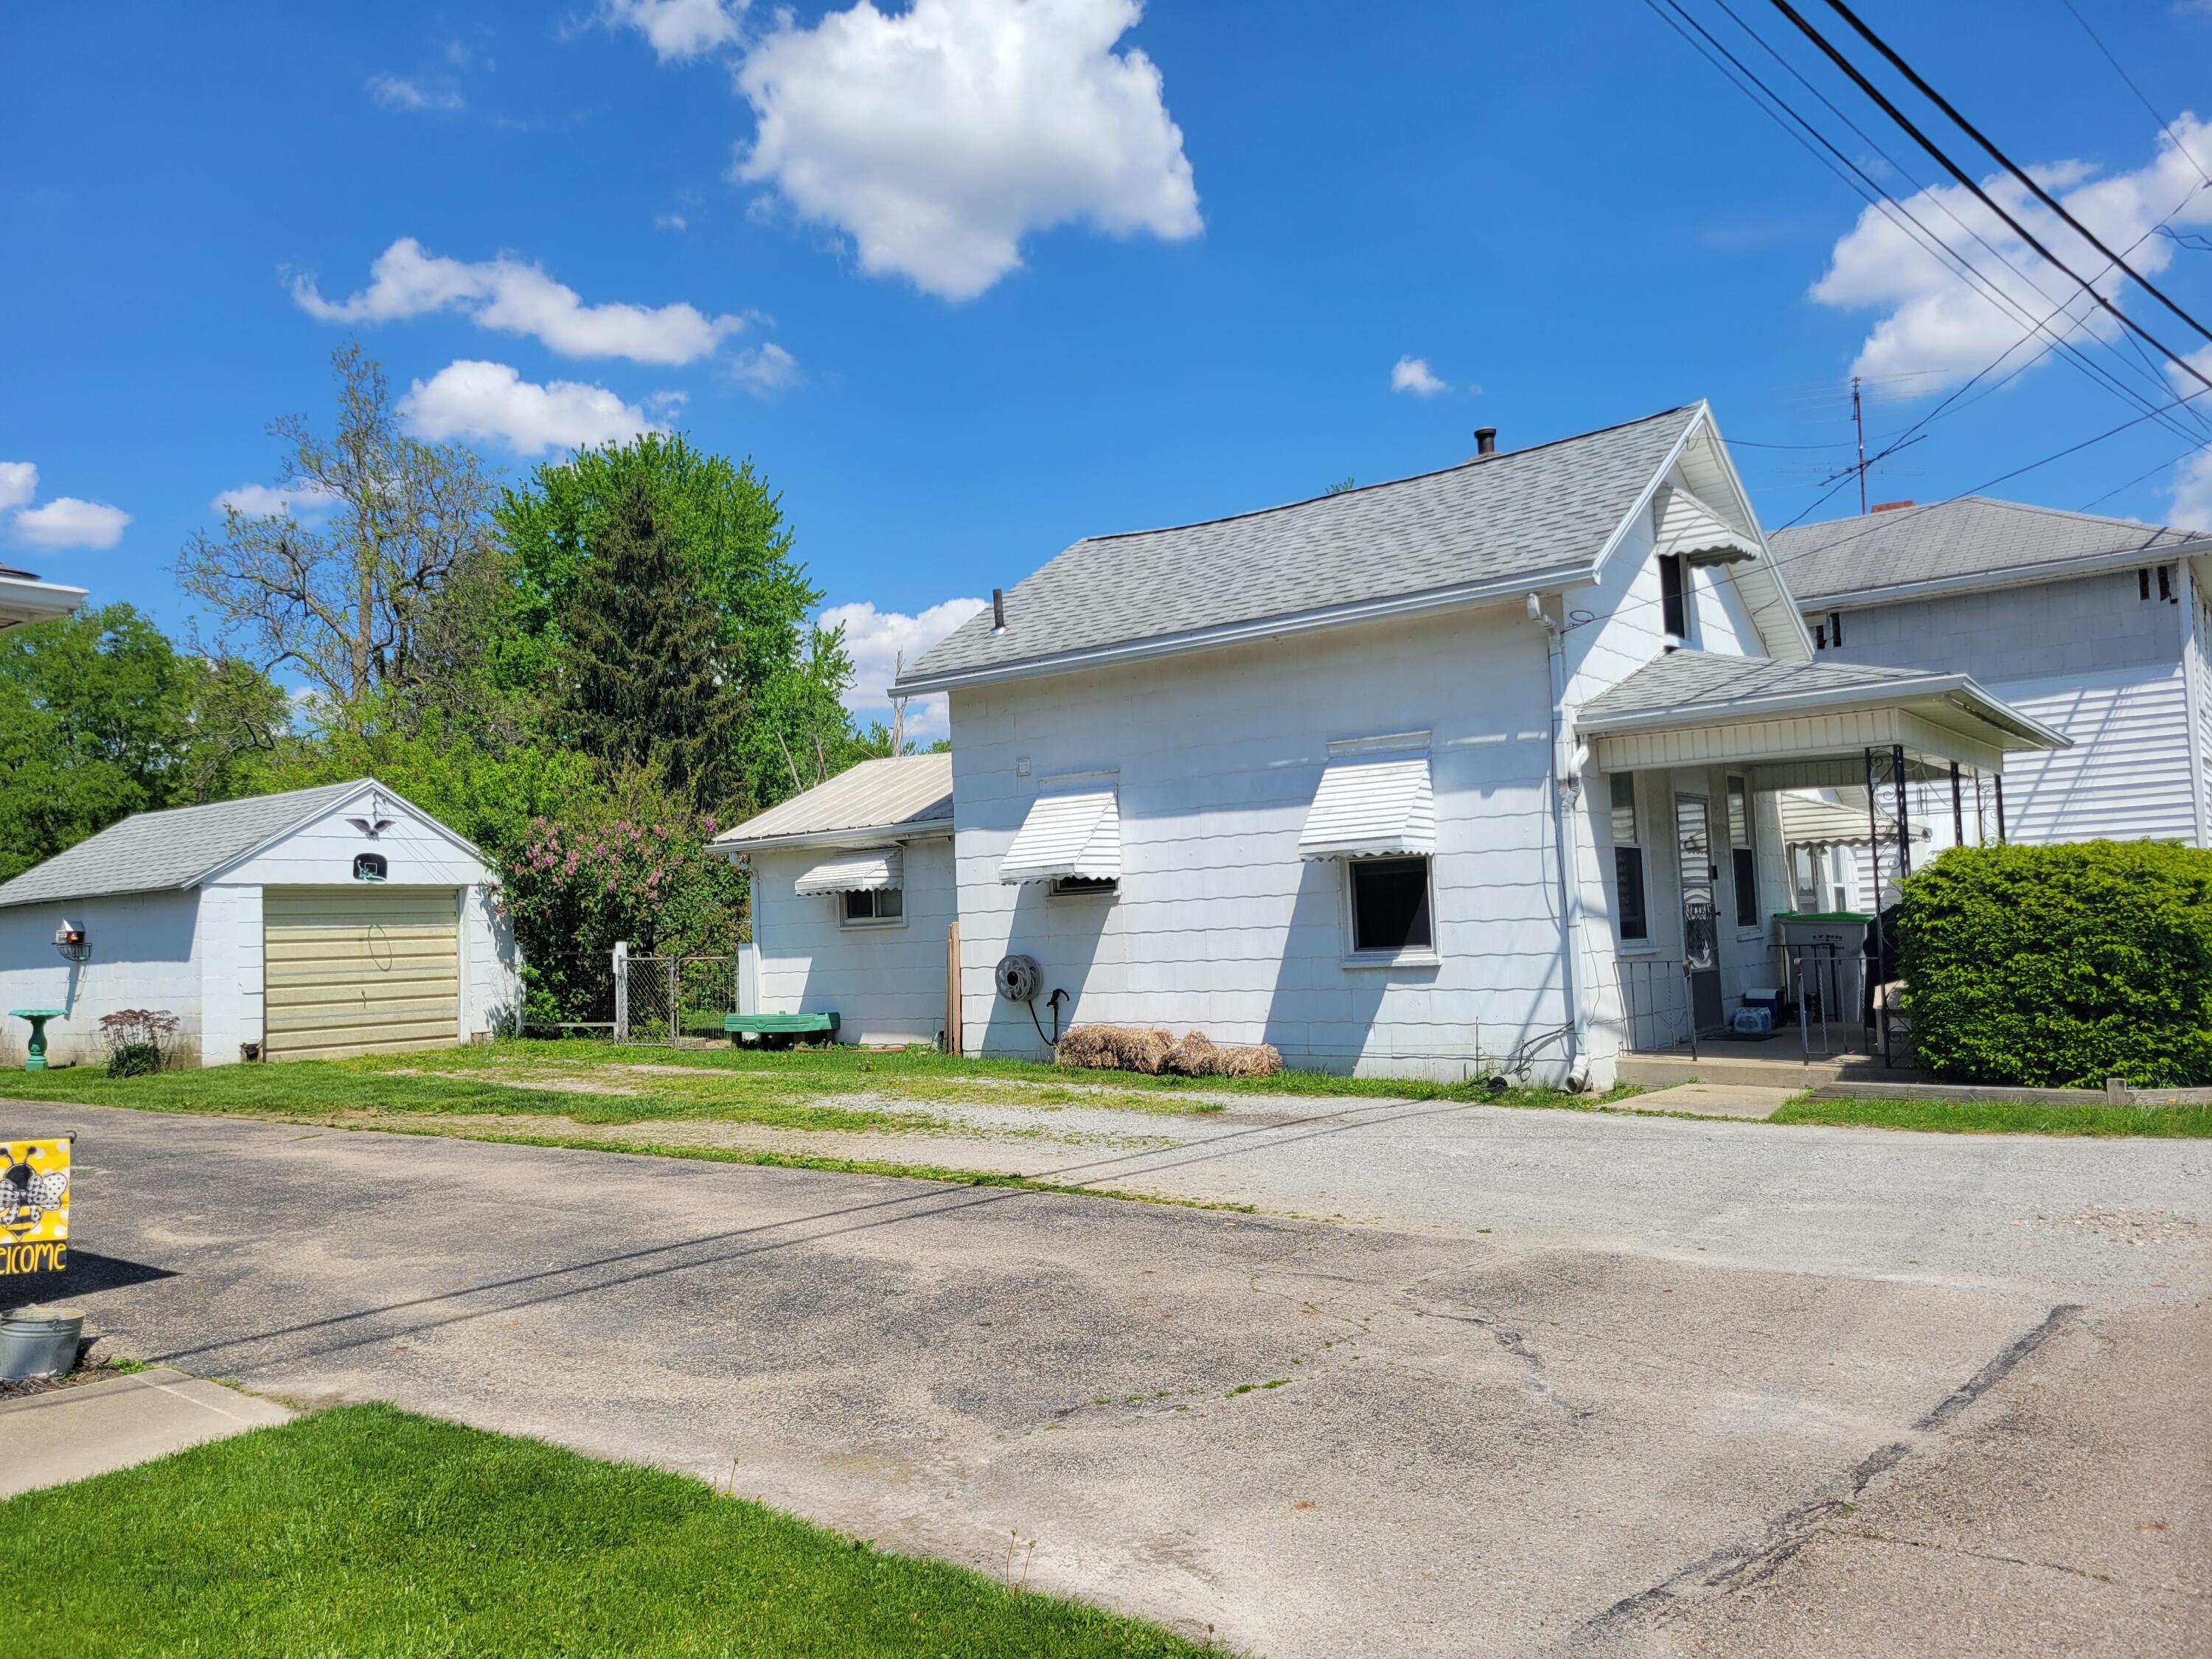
[138, 1040]
[2062, 966]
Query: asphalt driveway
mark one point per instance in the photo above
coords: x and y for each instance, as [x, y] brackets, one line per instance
[1616, 1384]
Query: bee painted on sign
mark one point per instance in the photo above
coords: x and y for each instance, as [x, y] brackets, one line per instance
[34, 1198]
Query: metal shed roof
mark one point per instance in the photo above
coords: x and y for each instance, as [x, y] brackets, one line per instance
[1971, 542]
[1495, 521]
[152, 851]
[908, 795]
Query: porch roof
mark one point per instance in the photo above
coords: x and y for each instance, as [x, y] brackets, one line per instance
[1691, 707]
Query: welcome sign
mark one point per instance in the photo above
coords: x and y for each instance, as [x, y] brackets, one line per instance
[34, 1197]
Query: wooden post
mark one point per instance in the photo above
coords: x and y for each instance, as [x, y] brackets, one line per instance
[953, 1044]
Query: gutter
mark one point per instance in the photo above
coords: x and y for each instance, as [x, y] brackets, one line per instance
[834, 839]
[1206, 639]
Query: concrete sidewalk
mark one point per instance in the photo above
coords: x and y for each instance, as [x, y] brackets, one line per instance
[74, 1433]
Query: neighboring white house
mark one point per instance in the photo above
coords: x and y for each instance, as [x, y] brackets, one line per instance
[1303, 775]
[25, 599]
[852, 893]
[320, 922]
[2094, 627]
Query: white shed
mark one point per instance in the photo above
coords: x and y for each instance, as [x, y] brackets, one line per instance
[308, 925]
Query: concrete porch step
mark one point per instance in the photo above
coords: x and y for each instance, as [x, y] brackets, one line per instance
[1733, 1063]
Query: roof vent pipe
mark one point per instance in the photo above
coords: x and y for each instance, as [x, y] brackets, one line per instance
[997, 611]
[1485, 441]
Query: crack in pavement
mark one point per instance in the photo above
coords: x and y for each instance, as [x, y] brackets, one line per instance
[1866, 1536]
[1741, 1564]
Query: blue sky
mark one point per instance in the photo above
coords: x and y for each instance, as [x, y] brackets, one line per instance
[970, 278]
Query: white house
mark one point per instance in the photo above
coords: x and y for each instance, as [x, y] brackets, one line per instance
[25, 599]
[317, 923]
[852, 896]
[1461, 772]
[2094, 627]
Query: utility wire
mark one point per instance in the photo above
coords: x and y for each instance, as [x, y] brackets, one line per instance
[1878, 197]
[1936, 153]
[2165, 125]
[2014, 168]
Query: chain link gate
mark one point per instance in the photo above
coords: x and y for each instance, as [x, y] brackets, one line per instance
[672, 1000]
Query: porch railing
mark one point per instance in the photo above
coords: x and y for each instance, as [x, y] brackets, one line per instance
[1655, 1003]
[1825, 990]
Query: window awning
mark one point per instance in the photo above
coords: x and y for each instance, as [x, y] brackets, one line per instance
[1372, 806]
[1069, 832]
[872, 870]
[1689, 529]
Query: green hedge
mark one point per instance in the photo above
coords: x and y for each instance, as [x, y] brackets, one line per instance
[2063, 966]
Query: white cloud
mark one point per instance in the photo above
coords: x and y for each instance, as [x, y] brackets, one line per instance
[669, 222]
[255, 500]
[2192, 492]
[1413, 375]
[397, 92]
[19, 482]
[517, 298]
[1938, 329]
[481, 400]
[678, 29]
[939, 137]
[65, 521]
[875, 639]
[764, 370]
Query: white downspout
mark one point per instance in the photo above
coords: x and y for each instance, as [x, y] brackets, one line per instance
[1566, 783]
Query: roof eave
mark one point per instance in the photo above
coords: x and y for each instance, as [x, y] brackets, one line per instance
[1957, 691]
[1208, 639]
[877, 834]
[2011, 575]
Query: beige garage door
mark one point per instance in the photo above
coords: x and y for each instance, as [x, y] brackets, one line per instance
[358, 970]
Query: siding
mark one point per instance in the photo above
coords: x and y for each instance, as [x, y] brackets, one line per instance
[886, 984]
[145, 954]
[1219, 924]
[2129, 774]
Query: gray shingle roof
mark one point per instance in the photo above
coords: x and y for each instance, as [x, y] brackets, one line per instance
[1972, 535]
[151, 852]
[1712, 680]
[907, 794]
[1491, 520]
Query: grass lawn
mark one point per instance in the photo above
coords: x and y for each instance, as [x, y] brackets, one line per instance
[2095, 1117]
[367, 1531]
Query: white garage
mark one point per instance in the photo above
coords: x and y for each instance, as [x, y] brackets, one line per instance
[310, 925]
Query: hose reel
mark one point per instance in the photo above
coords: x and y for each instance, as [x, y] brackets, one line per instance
[1018, 978]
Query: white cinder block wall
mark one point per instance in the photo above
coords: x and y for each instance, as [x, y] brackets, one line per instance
[146, 953]
[1219, 925]
[885, 982]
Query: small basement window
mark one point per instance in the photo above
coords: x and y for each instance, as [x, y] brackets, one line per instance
[370, 867]
[1390, 905]
[872, 906]
[1079, 886]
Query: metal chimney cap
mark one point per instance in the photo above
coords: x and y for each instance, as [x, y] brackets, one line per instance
[1485, 441]
[997, 611]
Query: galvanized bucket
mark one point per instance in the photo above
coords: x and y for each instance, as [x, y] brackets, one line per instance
[40, 1341]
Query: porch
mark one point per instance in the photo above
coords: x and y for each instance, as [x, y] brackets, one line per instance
[1701, 752]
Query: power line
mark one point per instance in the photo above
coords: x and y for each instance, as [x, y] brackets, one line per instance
[1934, 151]
[1876, 195]
[2165, 125]
[2015, 169]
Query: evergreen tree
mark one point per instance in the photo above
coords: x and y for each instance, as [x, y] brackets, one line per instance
[643, 681]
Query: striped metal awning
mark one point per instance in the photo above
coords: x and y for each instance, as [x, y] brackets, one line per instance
[1371, 805]
[870, 870]
[1069, 832]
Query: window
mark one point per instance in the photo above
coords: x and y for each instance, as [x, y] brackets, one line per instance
[1835, 628]
[1743, 853]
[1673, 598]
[872, 906]
[1077, 886]
[1390, 905]
[1627, 860]
[370, 867]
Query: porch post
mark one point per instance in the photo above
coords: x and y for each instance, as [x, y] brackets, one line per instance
[1957, 810]
[1904, 822]
[1871, 976]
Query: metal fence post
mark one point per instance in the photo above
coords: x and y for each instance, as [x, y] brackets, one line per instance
[675, 1000]
[622, 990]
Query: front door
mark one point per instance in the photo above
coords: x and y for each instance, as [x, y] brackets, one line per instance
[1701, 961]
